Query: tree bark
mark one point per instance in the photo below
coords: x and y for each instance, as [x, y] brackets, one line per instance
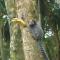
[31, 51]
[28, 10]
[16, 51]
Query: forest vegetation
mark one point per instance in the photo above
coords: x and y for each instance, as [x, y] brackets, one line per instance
[29, 29]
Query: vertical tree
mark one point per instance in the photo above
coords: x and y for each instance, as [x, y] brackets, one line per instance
[26, 10]
[16, 52]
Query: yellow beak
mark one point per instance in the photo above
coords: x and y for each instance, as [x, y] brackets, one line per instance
[19, 21]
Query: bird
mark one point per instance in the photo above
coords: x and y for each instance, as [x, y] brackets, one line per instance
[38, 34]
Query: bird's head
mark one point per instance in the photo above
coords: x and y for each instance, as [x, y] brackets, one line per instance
[32, 23]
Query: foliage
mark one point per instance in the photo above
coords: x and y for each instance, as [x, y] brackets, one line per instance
[2, 8]
[50, 13]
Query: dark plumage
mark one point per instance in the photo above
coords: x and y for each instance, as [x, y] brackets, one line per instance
[36, 30]
[6, 32]
[37, 33]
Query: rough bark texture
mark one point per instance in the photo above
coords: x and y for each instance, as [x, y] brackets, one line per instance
[30, 48]
[16, 52]
[11, 8]
[27, 10]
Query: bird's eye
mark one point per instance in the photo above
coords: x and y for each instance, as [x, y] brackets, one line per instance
[32, 23]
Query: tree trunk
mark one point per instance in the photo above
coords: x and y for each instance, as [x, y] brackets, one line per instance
[30, 48]
[16, 52]
[28, 10]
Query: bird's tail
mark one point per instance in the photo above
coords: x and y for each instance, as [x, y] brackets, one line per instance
[43, 51]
